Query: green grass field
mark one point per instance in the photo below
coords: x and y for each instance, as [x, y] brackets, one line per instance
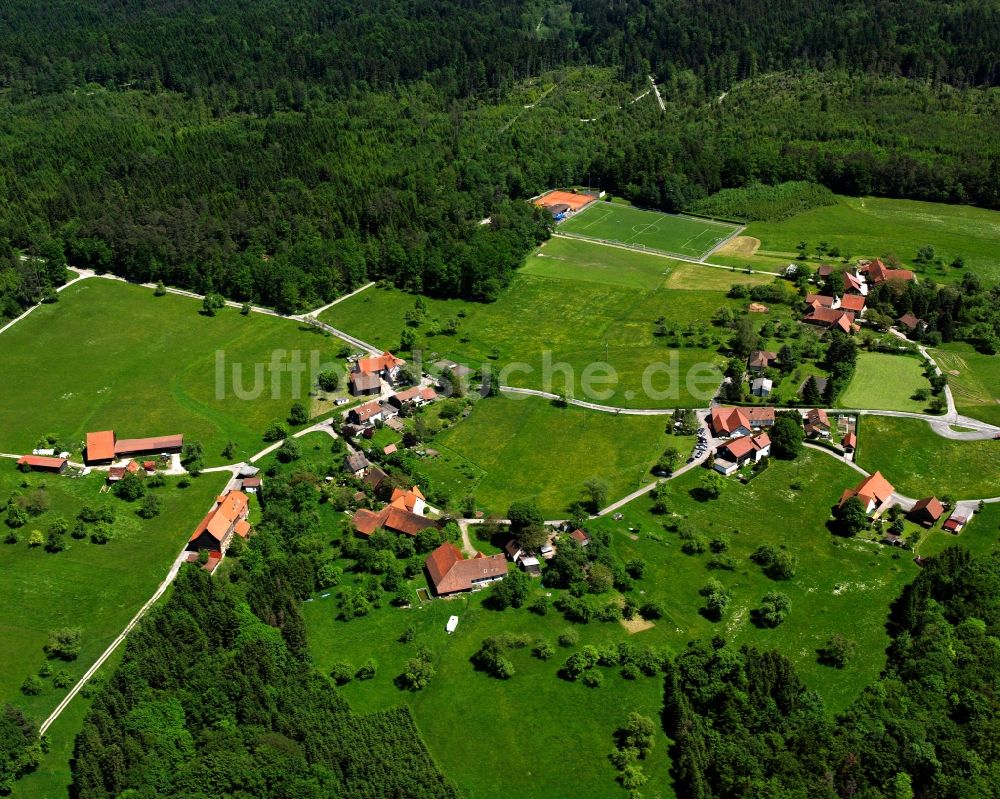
[559, 731]
[651, 230]
[980, 536]
[918, 462]
[570, 310]
[526, 448]
[111, 355]
[974, 379]
[871, 226]
[96, 588]
[885, 383]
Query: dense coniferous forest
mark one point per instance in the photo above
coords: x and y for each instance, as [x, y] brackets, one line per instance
[743, 723]
[284, 152]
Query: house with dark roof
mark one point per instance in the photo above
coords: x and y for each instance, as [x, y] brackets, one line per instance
[362, 384]
[449, 571]
[912, 323]
[873, 492]
[374, 477]
[825, 270]
[41, 463]
[817, 423]
[226, 519]
[356, 463]
[927, 511]
[760, 360]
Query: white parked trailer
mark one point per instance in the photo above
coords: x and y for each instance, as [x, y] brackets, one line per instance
[452, 624]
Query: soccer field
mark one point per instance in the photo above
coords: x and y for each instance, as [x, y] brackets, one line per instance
[648, 230]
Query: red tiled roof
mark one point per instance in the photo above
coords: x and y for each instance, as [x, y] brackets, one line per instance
[450, 572]
[880, 273]
[851, 283]
[817, 417]
[929, 505]
[850, 440]
[388, 450]
[853, 302]
[379, 363]
[406, 499]
[425, 393]
[220, 520]
[831, 317]
[954, 523]
[129, 446]
[149, 466]
[579, 535]
[727, 420]
[820, 300]
[825, 270]
[41, 462]
[101, 445]
[365, 412]
[251, 482]
[873, 488]
[909, 321]
[760, 414]
[744, 445]
[131, 467]
[761, 358]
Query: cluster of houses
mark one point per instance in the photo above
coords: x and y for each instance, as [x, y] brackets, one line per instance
[843, 312]
[875, 494]
[403, 514]
[368, 413]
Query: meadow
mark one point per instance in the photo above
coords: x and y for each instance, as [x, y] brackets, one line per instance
[96, 588]
[920, 463]
[653, 230]
[559, 731]
[523, 448]
[885, 382]
[872, 226]
[580, 304]
[974, 379]
[110, 355]
[979, 536]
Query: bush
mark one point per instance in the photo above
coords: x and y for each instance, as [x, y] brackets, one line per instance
[63, 644]
[543, 650]
[62, 679]
[274, 432]
[630, 672]
[651, 611]
[569, 638]
[32, 686]
[593, 679]
[367, 670]
[540, 606]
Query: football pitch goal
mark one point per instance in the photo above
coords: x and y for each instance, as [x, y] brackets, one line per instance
[654, 231]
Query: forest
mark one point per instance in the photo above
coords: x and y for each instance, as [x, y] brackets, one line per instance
[744, 724]
[285, 152]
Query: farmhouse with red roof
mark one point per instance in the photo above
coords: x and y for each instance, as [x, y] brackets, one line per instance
[41, 463]
[927, 511]
[229, 517]
[878, 272]
[873, 492]
[449, 571]
[104, 446]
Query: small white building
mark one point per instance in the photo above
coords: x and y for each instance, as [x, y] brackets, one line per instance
[761, 387]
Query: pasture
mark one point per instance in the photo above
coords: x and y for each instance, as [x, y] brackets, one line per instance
[94, 587]
[110, 355]
[526, 448]
[873, 226]
[885, 382]
[840, 586]
[545, 331]
[688, 236]
[974, 379]
[918, 462]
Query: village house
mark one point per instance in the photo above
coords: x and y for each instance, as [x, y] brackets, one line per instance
[853, 303]
[877, 272]
[226, 519]
[374, 477]
[954, 524]
[449, 571]
[523, 559]
[912, 323]
[403, 514]
[729, 422]
[761, 387]
[356, 463]
[104, 446]
[825, 270]
[760, 360]
[250, 485]
[850, 442]
[873, 491]
[927, 511]
[830, 318]
[581, 537]
[817, 423]
[413, 397]
[386, 366]
[760, 416]
[738, 451]
[39, 463]
[367, 414]
[855, 284]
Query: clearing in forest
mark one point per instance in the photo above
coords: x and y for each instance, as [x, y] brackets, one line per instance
[687, 236]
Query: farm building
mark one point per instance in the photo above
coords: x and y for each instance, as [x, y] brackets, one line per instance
[738, 451]
[229, 517]
[911, 322]
[361, 384]
[403, 514]
[760, 360]
[762, 416]
[878, 272]
[40, 463]
[954, 524]
[817, 423]
[450, 572]
[582, 537]
[850, 442]
[104, 446]
[251, 485]
[413, 397]
[873, 492]
[927, 511]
